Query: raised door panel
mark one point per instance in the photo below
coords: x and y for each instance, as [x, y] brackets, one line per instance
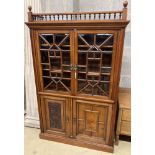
[92, 120]
[56, 115]
[95, 54]
[55, 54]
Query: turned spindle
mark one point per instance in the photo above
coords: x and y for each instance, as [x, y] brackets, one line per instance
[125, 4]
[30, 14]
[124, 15]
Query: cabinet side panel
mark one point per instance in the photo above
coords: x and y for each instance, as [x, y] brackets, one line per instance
[36, 73]
[116, 79]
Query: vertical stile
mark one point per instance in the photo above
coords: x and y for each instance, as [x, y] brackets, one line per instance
[54, 17]
[71, 16]
[67, 17]
[80, 16]
[58, 17]
[75, 16]
[62, 17]
[49, 17]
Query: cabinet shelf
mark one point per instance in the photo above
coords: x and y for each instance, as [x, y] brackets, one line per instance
[82, 72]
[92, 59]
[93, 74]
[85, 80]
[68, 71]
[45, 63]
[55, 57]
[100, 51]
[46, 77]
[106, 74]
[56, 71]
[46, 69]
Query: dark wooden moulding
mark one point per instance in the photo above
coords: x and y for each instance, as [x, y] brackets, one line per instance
[71, 116]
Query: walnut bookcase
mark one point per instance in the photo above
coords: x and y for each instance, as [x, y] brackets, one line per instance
[77, 62]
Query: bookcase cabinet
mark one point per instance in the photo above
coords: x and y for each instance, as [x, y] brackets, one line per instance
[77, 62]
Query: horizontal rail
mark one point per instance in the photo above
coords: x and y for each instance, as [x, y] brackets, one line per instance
[98, 15]
[78, 13]
[79, 16]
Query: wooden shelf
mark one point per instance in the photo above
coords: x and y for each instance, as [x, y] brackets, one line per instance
[65, 65]
[99, 51]
[81, 65]
[66, 78]
[106, 67]
[57, 57]
[46, 69]
[93, 81]
[106, 74]
[93, 74]
[56, 71]
[82, 72]
[92, 59]
[45, 63]
[107, 46]
[44, 49]
[46, 77]
[65, 45]
[45, 45]
[68, 71]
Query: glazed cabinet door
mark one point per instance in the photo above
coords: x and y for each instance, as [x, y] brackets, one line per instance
[92, 121]
[95, 52]
[56, 115]
[55, 57]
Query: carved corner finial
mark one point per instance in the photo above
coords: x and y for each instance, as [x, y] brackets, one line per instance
[125, 4]
[29, 8]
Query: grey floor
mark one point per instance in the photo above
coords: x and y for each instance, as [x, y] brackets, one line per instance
[36, 146]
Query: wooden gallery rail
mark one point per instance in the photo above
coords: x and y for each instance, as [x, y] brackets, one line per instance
[77, 64]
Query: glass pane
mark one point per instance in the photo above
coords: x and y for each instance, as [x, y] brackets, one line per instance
[55, 60]
[94, 63]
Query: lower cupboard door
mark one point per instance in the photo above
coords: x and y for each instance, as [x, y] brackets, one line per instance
[92, 121]
[55, 113]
